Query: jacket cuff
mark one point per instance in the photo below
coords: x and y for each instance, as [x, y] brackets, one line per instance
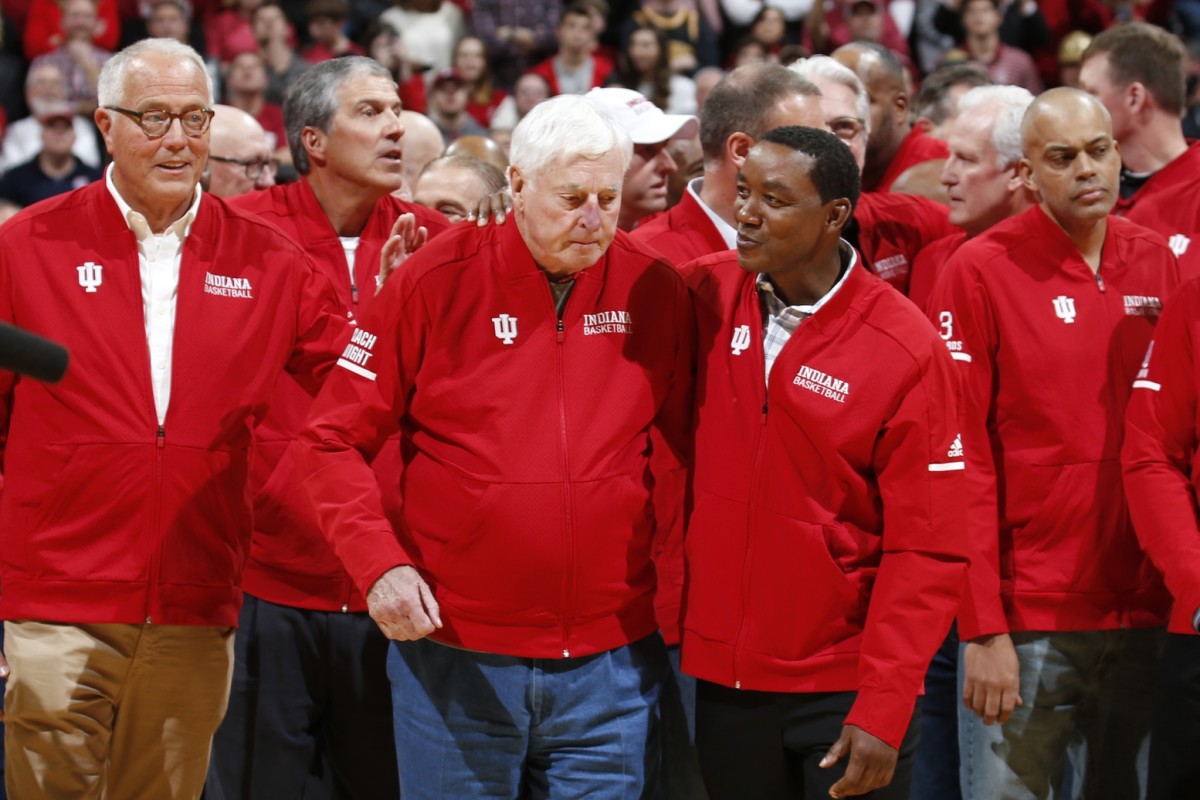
[882, 712]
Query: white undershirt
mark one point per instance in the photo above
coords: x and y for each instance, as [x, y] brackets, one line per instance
[159, 259]
[350, 248]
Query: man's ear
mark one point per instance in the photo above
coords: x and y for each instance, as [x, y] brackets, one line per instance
[837, 214]
[516, 186]
[104, 120]
[737, 147]
[1025, 171]
[313, 141]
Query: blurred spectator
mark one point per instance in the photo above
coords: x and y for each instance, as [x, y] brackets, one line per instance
[44, 88]
[834, 23]
[530, 90]
[430, 29]
[275, 43]
[1006, 65]
[691, 42]
[232, 31]
[929, 45]
[326, 21]
[575, 68]
[516, 33]
[479, 147]
[483, 96]
[240, 157]
[894, 144]
[747, 50]
[77, 58]
[770, 27]
[386, 45]
[706, 79]
[454, 185]
[644, 67]
[169, 19]
[750, 13]
[936, 103]
[44, 29]
[422, 143]
[1022, 23]
[245, 88]
[1070, 57]
[791, 53]
[55, 169]
[448, 107]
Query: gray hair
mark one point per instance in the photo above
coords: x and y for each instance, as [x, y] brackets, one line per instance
[833, 70]
[110, 90]
[491, 175]
[565, 126]
[312, 100]
[1008, 104]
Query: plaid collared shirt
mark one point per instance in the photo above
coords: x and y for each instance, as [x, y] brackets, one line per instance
[781, 320]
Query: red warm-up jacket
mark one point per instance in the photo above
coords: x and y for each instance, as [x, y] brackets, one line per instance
[290, 561]
[526, 491]
[107, 517]
[1169, 203]
[823, 551]
[1047, 351]
[1161, 456]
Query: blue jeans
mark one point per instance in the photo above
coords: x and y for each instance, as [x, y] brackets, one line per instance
[478, 725]
[935, 768]
[1085, 693]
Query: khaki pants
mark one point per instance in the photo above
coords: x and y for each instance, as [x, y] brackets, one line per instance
[112, 711]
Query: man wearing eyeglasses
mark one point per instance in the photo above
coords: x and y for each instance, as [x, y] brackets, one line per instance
[240, 160]
[310, 691]
[125, 517]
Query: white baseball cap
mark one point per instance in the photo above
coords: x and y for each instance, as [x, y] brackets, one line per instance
[642, 120]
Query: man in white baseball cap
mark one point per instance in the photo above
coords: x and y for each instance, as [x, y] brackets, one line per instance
[644, 191]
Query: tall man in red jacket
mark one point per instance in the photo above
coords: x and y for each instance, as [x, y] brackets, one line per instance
[1048, 314]
[1137, 71]
[823, 551]
[525, 366]
[125, 517]
[309, 683]
[1158, 458]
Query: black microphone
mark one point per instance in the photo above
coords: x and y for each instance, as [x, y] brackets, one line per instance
[26, 353]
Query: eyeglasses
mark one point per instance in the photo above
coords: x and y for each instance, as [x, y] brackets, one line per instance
[155, 122]
[254, 167]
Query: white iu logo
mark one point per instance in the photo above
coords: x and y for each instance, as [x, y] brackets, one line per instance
[1064, 307]
[506, 328]
[90, 276]
[741, 339]
[1179, 244]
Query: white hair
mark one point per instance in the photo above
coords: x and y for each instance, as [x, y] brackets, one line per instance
[565, 126]
[1007, 106]
[110, 91]
[833, 70]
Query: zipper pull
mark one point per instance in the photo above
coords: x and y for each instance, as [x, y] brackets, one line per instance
[161, 439]
[560, 332]
[1100, 281]
[354, 293]
[764, 413]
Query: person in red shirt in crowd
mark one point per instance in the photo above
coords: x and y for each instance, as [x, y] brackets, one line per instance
[746, 103]
[575, 69]
[43, 29]
[310, 690]
[1137, 72]
[1062, 616]
[1161, 481]
[245, 88]
[853, 21]
[1006, 65]
[231, 31]
[483, 96]
[525, 365]
[326, 20]
[888, 230]
[77, 58]
[824, 554]
[895, 143]
[982, 176]
[179, 312]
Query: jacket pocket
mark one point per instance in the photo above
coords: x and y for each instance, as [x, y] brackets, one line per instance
[715, 552]
[799, 600]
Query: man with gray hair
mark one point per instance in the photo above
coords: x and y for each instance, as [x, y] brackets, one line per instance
[982, 175]
[125, 519]
[525, 366]
[310, 689]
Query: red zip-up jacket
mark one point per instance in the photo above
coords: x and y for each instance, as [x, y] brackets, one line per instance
[917, 148]
[894, 228]
[290, 561]
[824, 552]
[1169, 203]
[1161, 456]
[1047, 351]
[106, 517]
[526, 490]
[682, 234]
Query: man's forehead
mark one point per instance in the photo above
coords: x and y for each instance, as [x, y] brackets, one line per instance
[367, 89]
[1061, 131]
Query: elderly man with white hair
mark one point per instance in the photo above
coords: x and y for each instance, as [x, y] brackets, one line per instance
[525, 365]
[125, 518]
